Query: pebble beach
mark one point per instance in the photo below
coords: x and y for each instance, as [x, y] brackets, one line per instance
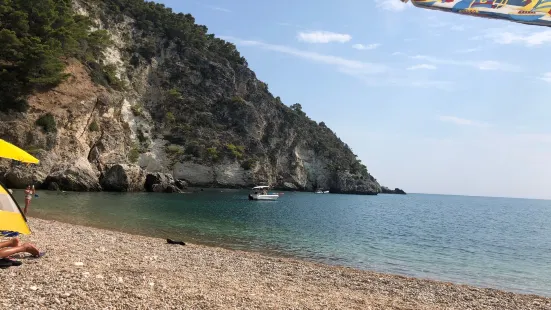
[89, 268]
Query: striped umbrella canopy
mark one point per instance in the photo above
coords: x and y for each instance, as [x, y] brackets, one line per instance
[531, 12]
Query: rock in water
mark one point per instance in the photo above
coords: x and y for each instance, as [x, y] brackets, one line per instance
[386, 190]
[123, 178]
[348, 183]
[162, 183]
[162, 180]
[181, 184]
[399, 191]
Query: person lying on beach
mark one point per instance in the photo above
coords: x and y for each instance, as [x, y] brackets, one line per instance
[14, 246]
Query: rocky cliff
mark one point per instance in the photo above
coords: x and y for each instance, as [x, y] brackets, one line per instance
[148, 94]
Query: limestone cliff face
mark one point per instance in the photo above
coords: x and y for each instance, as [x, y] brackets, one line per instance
[179, 107]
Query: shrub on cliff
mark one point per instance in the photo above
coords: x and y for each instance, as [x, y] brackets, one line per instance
[213, 154]
[137, 109]
[105, 75]
[93, 126]
[134, 154]
[175, 149]
[170, 118]
[47, 122]
[237, 99]
[235, 151]
[175, 95]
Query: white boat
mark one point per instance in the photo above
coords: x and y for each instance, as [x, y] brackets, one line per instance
[261, 193]
[322, 192]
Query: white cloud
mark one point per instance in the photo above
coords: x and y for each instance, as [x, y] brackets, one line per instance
[490, 65]
[217, 8]
[373, 74]
[528, 39]
[401, 81]
[457, 27]
[343, 64]
[443, 85]
[481, 65]
[391, 5]
[422, 67]
[546, 77]
[366, 47]
[462, 121]
[323, 37]
[468, 50]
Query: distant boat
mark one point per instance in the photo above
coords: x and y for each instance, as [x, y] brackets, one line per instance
[319, 191]
[261, 193]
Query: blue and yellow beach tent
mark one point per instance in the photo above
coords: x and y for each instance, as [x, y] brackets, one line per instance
[12, 219]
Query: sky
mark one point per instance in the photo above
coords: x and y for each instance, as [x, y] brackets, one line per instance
[431, 102]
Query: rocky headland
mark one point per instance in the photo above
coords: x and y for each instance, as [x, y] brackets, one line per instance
[129, 96]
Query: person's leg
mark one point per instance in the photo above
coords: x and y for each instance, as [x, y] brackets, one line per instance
[27, 203]
[28, 248]
[9, 243]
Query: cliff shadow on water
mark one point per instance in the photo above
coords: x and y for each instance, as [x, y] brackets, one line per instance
[140, 98]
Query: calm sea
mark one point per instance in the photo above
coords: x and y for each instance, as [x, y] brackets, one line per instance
[489, 242]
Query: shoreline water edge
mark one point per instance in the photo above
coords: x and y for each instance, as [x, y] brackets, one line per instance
[91, 268]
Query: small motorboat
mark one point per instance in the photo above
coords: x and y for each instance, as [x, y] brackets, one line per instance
[319, 191]
[261, 193]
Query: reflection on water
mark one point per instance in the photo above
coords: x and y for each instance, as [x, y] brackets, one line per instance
[495, 242]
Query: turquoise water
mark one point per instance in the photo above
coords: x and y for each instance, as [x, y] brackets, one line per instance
[489, 242]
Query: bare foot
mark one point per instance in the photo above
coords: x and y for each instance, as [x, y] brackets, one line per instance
[15, 242]
[29, 248]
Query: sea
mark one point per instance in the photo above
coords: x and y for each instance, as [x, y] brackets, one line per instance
[498, 243]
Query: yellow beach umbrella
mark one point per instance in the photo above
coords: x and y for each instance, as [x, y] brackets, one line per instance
[10, 151]
[12, 219]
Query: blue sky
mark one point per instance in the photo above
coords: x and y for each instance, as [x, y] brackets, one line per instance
[431, 102]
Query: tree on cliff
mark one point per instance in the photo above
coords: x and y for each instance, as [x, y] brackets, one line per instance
[35, 37]
[297, 107]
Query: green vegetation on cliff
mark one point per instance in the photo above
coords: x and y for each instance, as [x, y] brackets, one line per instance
[35, 37]
[156, 20]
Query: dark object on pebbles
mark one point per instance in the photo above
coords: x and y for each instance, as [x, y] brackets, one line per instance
[7, 262]
[170, 241]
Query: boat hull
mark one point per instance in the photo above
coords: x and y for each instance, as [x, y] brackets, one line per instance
[263, 197]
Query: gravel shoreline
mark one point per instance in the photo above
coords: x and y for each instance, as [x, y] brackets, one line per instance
[89, 268]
